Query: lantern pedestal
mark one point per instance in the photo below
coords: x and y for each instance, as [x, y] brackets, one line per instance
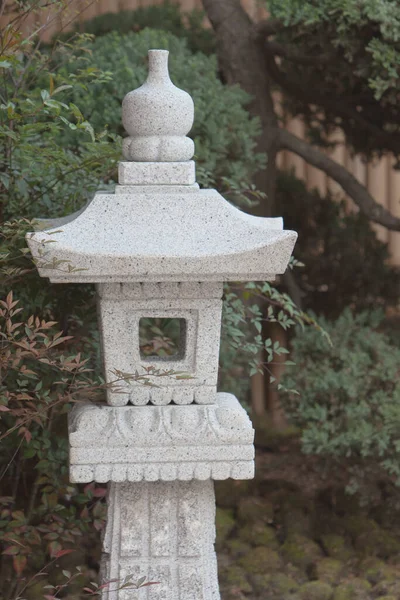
[161, 462]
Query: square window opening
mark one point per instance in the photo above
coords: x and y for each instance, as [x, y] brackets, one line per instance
[162, 339]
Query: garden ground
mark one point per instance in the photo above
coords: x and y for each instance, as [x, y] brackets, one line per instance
[294, 534]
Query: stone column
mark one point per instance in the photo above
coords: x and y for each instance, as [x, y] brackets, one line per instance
[166, 532]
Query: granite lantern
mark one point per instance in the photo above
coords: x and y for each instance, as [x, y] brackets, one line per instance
[160, 247]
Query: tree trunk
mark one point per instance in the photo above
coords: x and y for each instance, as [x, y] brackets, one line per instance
[242, 61]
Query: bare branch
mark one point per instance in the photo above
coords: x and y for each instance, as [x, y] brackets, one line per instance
[294, 56]
[342, 176]
[269, 27]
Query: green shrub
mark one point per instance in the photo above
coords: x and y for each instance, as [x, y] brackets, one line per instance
[349, 402]
[224, 133]
[39, 175]
[42, 369]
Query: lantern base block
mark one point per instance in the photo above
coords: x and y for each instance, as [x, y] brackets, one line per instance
[161, 443]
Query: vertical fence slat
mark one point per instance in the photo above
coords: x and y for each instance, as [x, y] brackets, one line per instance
[338, 154]
[105, 6]
[128, 4]
[294, 162]
[316, 179]
[377, 185]
[90, 10]
[357, 167]
[394, 205]
[360, 169]
[71, 16]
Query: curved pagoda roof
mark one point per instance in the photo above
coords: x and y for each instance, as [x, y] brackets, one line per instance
[158, 225]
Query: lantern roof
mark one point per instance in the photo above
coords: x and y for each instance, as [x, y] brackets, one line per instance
[158, 225]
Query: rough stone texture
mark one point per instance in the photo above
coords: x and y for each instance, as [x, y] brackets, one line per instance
[121, 306]
[166, 533]
[196, 236]
[156, 189]
[154, 173]
[161, 443]
[157, 117]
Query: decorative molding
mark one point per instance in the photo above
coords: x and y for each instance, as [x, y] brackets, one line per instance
[169, 471]
[151, 443]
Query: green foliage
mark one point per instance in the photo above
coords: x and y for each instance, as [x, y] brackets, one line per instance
[349, 403]
[352, 52]
[244, 349]
[346, 264]
[40, 176]
[42, 514]
[166, 16]
[350, 17]
[224, 133]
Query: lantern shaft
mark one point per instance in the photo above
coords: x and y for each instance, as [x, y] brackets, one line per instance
[163, 531]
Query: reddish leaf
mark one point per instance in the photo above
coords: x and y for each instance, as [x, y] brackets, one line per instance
[54, 548]
[88, 488]
[98, 525]
[105, 585]
[19, 563]
[18, 515]
[63, 553]
[4, 408]
[11, 550]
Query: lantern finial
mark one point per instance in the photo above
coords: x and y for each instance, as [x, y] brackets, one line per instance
[157, 117]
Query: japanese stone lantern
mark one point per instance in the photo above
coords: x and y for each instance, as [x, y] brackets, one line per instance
[161, 248]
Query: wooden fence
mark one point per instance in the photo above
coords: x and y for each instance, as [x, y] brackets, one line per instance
[381, 179]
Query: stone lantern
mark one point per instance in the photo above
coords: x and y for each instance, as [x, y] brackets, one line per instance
[161, 248]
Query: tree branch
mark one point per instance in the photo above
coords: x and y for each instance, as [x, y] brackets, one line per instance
[294, 56]
[328, 103]
[342, 176]
[269, 27]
